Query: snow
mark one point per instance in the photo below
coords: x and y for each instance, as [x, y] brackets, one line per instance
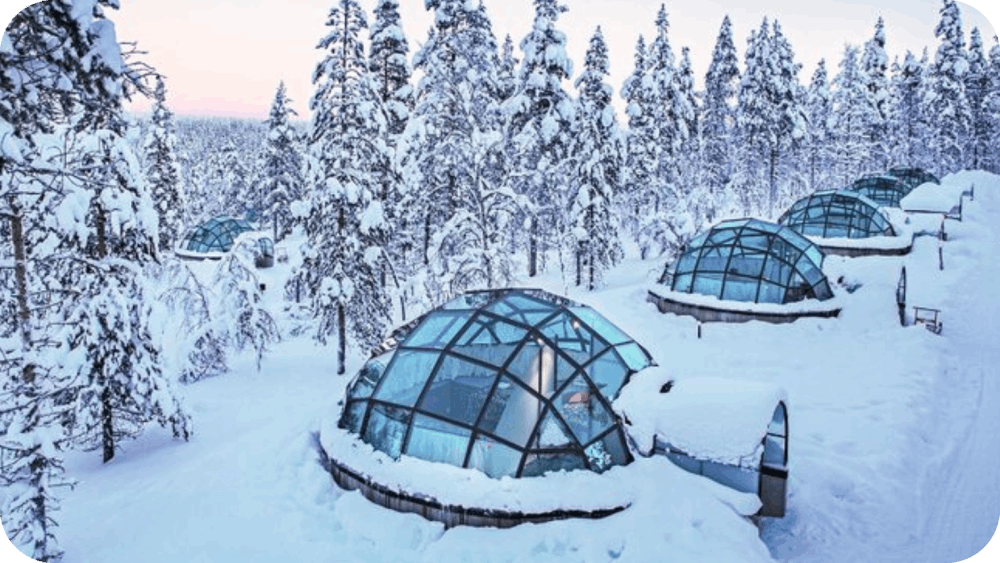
[712, 418]
[892, 439]
[933, 197]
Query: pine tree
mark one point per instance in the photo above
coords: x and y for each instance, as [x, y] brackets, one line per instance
[949, 103]
[977, 87]
[598, 170]
[874, 64]
[389, 64]
[910, 123]
[991, 107]
[247, 323]
[819, 109]
[348, 150]
[641, 188]
[539, 117]
[507, 72]
[719, 113]
[849, 110]
[283, 180]
[163, 172]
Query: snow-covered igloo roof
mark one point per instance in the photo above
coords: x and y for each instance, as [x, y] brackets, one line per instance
[837, 214]
[512, 382]
[752, 261]
[213, 236]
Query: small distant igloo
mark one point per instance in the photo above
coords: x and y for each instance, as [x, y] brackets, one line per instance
[212, 239]
[746, 269]
[846, 223]
[913, 177]
[885, 190]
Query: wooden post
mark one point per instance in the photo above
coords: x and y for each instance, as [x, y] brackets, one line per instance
[940, 257]
[699, 331]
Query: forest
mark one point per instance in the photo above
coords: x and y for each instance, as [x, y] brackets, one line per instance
[467, 162]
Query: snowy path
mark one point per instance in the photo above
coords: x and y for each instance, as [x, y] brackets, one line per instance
[961, 502]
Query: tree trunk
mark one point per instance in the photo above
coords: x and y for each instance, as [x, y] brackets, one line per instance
[341, 340]
[107, 425]
[427, 239]
[533, 248]
[21, 280]
[579, 266]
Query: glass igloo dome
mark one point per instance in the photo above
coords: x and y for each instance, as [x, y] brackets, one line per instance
[512, 382]
[214, 236]
[837, 214]
[752, 261]
[886, 191]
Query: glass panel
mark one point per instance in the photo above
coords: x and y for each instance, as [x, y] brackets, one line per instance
[367, 378]
[771, 293]
[524, 303]
[682, 283]
[438, 441]
[774, 451]
[687, 261]
[635, 357]
[386, 429]
[406, 376]
[539, 464]
[739, 289]
[518, 414]
[707, 284]
[608, 373]
[459, 390]
[823, 291]
[601, 325]
[714, 259]
[585, 414]
[486, 329]
[747, 265]
[437, 329]
[552, 433]
[354, 415]
[493, 458]
[571, 335]
[536, 366]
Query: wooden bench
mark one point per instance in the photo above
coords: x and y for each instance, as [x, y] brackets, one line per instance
[929, 318]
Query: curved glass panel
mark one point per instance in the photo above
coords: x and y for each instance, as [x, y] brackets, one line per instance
[886, 191]
[749, 260]
[913, 177]
[511, 382]
[216, 235]
[837, 214]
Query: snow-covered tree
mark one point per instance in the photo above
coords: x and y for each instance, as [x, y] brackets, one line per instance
[163, 172]
[949, 103]
[349, 153]
[283, 168]
[874, 66]
[43, 80]
[849, 111]
[641, 190]
[991, 107]
[819, 110]
[771, 117]
[507, 72]
[247, 323]
[911, 127]
[977, 87]
[719, 113]
[598, 170]
[389, 64]
[539, 118]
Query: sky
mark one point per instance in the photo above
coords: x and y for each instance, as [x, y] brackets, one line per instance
[226, 57]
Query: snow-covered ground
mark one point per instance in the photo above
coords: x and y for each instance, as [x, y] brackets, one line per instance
[894, 444]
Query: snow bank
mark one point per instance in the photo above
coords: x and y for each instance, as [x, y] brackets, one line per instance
[712, 302]
[722, 420]
[935, 198]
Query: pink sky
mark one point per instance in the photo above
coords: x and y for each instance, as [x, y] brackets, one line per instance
[226, 57]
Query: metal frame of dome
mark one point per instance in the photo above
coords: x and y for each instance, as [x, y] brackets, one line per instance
[216, 235]
[511, 382]
[886, 191]
[741, 257]
[913, 177]
[837, 214]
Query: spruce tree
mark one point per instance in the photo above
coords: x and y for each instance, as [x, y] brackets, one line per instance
[507, 72]
[343, 269]
[641, 188]
[283, 180]
[163, 172]
[389, 64]
[719, 113]
[874, 65]
[539, 118]
[819, 109]
[949, 103]
[598, 170]
[977, 87]
[849, 111]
